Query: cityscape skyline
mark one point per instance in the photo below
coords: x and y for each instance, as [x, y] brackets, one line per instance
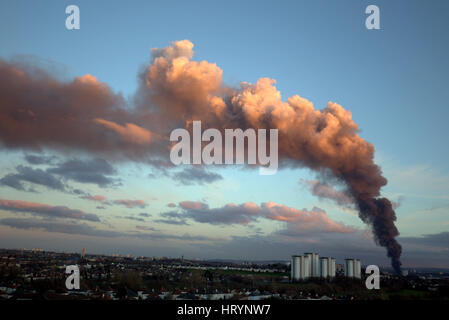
[44, 276]
[85, 117]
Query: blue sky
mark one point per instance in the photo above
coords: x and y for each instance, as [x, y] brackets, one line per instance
[393, 80]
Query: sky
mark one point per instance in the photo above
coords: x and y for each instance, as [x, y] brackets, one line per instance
[65, 186]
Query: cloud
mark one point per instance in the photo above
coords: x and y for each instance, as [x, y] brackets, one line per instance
[229, 214]
[187, 176]
[98, 198]
[145, 228]
[144, 214]
[132, 218]
[39, 159]
[193, 205]
[46, 210]
[172, 217]
[11, 180]
[303, 221]
[87, 230]
[97, 171]
[123, 202]
[438, 240]
[194, 175]
[60, 227]
[172, 221]
[297, 221]
[131, 203]
[35, 176]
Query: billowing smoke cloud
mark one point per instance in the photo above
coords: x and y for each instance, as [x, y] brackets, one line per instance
[39, 111]
[130, 132]
[326, 191]
[323, 140]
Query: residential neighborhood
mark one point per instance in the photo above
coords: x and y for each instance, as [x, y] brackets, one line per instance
[34, 274]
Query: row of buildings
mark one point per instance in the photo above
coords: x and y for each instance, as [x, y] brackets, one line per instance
[310, 265]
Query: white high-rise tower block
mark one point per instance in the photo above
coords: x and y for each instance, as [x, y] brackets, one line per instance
[349, 268]
[314, 264]
[357, 269]
[324, 262]
[331, 268]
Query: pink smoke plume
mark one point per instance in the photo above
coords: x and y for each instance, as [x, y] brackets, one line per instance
[38, 111]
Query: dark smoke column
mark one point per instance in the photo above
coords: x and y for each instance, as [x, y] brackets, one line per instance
[380, 215]
[373, 210]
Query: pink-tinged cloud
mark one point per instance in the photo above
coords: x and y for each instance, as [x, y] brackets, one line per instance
[131, 203]
[88, 230]
[228, 214]
[171, 205]
[98, 198]
[304, 220]
[195, 205]
[315, 220]
[45, 210]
